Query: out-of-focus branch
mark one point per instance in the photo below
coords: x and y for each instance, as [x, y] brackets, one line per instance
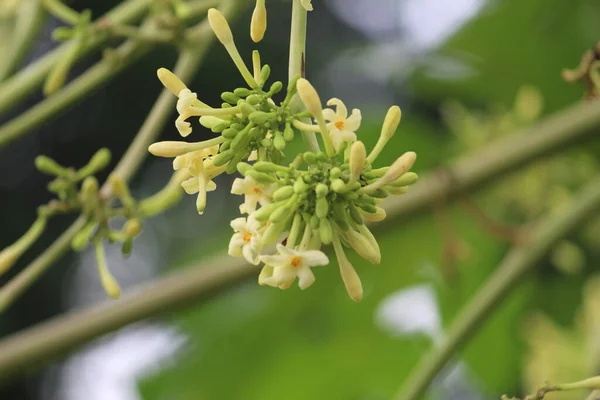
[174, 292]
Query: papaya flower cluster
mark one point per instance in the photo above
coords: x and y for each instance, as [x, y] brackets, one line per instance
[321, 198]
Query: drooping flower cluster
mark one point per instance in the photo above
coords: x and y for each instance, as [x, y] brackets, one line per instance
[320, 198]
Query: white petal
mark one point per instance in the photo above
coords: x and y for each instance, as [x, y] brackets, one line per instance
[353, 122]
[329, 114]
[341, 110]
[284, 276]
[313, 258]
[253, 156]
[250, 254]
[239, 186]
[179, 162]
[239, 224]
[235, 245]
[211, 186]
[264, 277]
[286, 251]
[184, 128]
[305, 278]
[191, 185]
[276, 260]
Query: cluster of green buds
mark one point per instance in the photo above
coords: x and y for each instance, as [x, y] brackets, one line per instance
[320, 198]
[77, 192]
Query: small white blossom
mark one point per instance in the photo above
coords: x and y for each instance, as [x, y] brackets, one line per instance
[255, 193]
[289, 264]
[246, 239]
[200, 182]
[341, 126]
[187, 100]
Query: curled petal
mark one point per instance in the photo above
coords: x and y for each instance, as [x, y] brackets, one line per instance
[329, 114]
[341, 111]
[305, 278]
[235, 245]
[184, 128]
[353, 121]
[238, 224]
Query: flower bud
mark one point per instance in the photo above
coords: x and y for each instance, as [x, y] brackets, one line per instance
[260, 177]
[363, 247]
[278, 141]
[242, 92]
[83, 237]
[220, 27]
[8, 257]
[230, 97]
[321, 190]
[208, 121]
[322, 207]
[288, 133]
[258, 25]
[263, 213]
[170, 81]
[358, 156]
[391, 122]
[275, 87]
[406, 179]
[309, 97]
[223, 158]
[300, 186]
[283, 193]
[265, 73]
[132, 228]
[325, 231]
[48, 166]
[375, 214]
[254, 99]
[274, 230]
[98, 162]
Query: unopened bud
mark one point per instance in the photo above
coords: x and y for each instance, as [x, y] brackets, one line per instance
[283, 193]
[48, 166]
[309, 97]
[358, 156]
[173, 148]
[258, 26]
[170, 81]
[98, 162]
[391, 122]
[8, 257]
[220, 27]
[132, 228]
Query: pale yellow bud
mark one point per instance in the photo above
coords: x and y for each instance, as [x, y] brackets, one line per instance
[349, 275]
[309, 97]
[174, 148]
[400, 166]
[220, 27]
[376, 216]
[258, 25]
[170, 81]
[358, 156]
[391, 122]
[363, 247]
[132, 228]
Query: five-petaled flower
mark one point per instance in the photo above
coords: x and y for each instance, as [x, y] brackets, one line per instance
[255, 193]
[246, 239]
[289, 264]
[341, 126]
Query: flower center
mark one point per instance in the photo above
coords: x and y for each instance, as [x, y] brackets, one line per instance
[295, 261]
[339, 124]
[256, 190]
[247, 237]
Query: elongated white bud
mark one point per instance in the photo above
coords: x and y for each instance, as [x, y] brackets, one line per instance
[220, 27]
[358, 157]
[258, 25]
[170, 81]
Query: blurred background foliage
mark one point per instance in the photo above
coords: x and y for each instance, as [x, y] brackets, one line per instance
[255, 343]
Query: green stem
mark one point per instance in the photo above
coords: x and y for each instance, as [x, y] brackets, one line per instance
[187, 65]
[21, 84]
[165, 198]
[297, 63]
[61, 11]
[100, 73]
[191, 285]
[27, 25]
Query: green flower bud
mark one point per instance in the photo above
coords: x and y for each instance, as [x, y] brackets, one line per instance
[325, 231]
[230, 97]
[283, 193]
[254, 99]
[229, 133]
[243, 167]
[48, 166]
[364, 198]
[242, 139]
[355, 214]
[98, 162]
[322, 207]
[208, 121]
[247, 109]
[371, 209]
[225, 146]
[83, 237]
[223, 158]
[321, 189]
[237, 126]
[260, 177]
[127, 247]
[379, 194]
[220, 127]
[278, 141]
[132, 228]
[242, 92]
[272, 233]
[407, 179]
[275, 88]
[291, 89]
[232, 166]
[282, 213]
[265, 166]
[322, 157]
[335, 173]
[300, 186]
[266, 143]
[288, 132]
[260, 118]
[309, 158]
[265, 73]
[338, 186]
[314, 222]
[263, 213]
